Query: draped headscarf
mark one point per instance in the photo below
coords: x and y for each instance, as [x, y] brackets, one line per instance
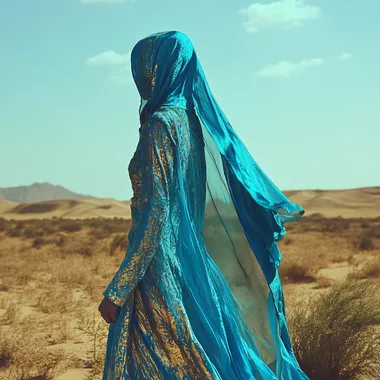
[245, 211]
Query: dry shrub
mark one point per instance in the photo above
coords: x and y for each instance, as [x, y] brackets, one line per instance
[59, 329]
[335, 225]
[98, 233]
[73, 271]
[40, 242]
[92, 288]
[23, 356]
[119, 242]
[3, 224]
[365, 243]
[95, 328]
[14, 232]
[105, 228]
[81, 246]
[113, 226]
[60, 239]
[372, 269]
[373, 232]
[12, 312]
[7, 349]
[56, 299]
[336, 335]
[70, 225]
[32, 231]
[295, 272]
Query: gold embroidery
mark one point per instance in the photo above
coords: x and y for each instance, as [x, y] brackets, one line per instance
[153, 324]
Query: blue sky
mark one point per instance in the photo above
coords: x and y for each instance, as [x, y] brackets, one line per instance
[298, 80]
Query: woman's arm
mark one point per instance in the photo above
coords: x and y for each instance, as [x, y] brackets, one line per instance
[157, 163]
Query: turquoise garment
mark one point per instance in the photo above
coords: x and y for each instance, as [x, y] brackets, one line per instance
[199, 292]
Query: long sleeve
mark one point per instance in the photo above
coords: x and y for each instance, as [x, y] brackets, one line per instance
[157, 160]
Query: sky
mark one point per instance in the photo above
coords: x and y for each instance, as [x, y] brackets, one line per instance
[298, 80]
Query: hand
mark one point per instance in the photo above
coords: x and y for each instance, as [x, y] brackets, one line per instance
[108, 310]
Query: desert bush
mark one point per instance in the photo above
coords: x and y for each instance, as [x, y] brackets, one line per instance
[70, 225]
[3, 224]
[336, 335]
[119, 242]
[12, 311]
[3, 287]
[373, 232]
[59, 330]
[14, 231]
[7, 349]
[95, 328]
[23, 355]
[372, 268]
[99, 233]
[40, 242]
[365, 243]
[336, 225]
[56, 300]
[60, 239]
[31, 232]
[295, 272]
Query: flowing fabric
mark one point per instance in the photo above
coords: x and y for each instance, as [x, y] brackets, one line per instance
[199, 292]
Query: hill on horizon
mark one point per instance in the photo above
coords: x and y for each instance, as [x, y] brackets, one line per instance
[38, 192]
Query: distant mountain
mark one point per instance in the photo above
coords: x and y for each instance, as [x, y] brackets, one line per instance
[38, 192]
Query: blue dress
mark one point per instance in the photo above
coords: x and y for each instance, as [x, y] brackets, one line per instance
[198, 289]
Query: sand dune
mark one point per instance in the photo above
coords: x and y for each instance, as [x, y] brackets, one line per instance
[356, 203]
[68, 209]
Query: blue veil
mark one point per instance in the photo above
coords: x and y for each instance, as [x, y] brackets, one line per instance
[244, 215]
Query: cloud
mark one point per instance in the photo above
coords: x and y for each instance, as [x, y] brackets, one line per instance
[121, 63]
[283, 13]
[109, 58]
[106, 1]
[288, 69]
[344, 57]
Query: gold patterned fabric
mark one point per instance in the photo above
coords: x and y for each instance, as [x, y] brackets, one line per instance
[152, 336]
[199, 291]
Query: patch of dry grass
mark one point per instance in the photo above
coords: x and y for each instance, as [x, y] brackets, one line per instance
[371, 269]
[336, 335]
[295, 272]
[55, 300]
[119, 242]
[93, 326]
[24, 356]
[54, 268]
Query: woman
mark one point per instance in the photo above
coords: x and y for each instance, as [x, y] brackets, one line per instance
[197, 295]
